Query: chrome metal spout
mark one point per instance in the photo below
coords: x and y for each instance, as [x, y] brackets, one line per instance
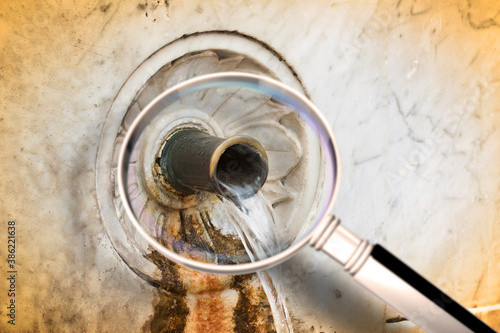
[192, 160]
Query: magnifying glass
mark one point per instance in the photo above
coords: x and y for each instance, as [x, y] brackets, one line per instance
[371, 266]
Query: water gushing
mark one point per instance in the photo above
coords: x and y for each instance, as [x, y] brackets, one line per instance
[256, 226]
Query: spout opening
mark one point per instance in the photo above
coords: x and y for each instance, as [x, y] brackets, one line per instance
[241, 167]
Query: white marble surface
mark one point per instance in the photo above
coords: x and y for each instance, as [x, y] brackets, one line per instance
[409, 87]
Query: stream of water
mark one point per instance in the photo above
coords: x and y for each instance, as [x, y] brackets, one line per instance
[256, 225]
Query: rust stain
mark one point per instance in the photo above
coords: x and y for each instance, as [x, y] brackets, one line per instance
[211, 308]
[170, 314]
[197, 282]
[191, 301]
[211, 314]
[171, 311]
[252, 312]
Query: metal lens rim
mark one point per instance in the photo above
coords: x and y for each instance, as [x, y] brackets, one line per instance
[265, 85]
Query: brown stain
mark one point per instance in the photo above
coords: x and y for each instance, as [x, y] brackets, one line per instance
[191, 301]
[245, 309]
[230, 245]
[170, 277]
[171, 311]
[244, 318]
[190, 231]
[395, 320]
[252, 312]
[170, 314]
[152, 6]
[196, 237]
[211, 314]
[196, 282]
[211, 309]
[105, 8]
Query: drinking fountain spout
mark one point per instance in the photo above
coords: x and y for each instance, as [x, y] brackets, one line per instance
[192, 160]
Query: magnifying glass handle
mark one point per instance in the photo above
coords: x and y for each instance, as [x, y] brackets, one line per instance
[394, 282]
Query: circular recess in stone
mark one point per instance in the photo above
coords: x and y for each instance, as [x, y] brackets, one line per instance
[294, 170]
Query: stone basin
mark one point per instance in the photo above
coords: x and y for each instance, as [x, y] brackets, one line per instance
[410, 90]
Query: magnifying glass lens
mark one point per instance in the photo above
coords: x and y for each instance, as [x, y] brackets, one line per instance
[228, 172]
